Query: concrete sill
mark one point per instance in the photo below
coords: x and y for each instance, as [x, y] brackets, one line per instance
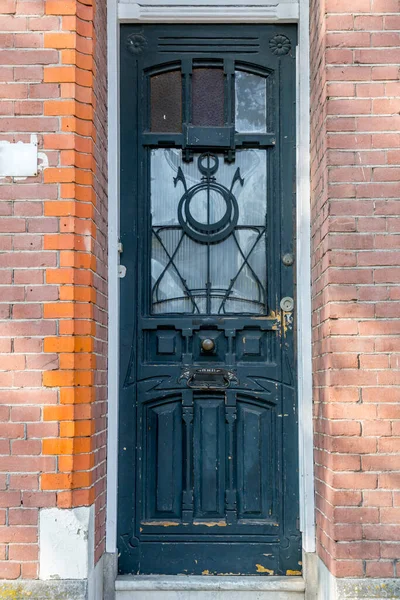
[127, 583]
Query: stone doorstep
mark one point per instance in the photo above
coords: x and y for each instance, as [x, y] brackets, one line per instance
[169, 587]
[44, 590]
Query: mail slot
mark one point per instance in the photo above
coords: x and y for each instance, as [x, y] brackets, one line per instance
[208, 378]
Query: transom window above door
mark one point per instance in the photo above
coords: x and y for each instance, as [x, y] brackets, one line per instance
[207, 103]
[203, 104]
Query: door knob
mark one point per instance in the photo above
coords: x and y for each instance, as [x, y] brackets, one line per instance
[207, 345]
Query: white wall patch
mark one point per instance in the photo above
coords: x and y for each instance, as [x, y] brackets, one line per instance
[66, 543]
[18, 159]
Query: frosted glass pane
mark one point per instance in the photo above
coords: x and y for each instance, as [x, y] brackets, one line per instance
[251, 103]
[192, 271]
[251, 197]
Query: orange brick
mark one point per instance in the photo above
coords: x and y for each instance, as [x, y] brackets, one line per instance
[79, 260]
[77, 327]
[66, 241]
[69, 23]
[58, 209]
[60, 74]
[55, 481]
[68, 344]
[86, 194]
[78, 293]
[84, 45]
[59, 107]
[58, 413]
[60, 275]
[79, 462]
[77, 428]
[84, 78]
[59, 310]
[67, 208]
[73, 57]
[84, 177]
[82, 27]
[80, 126]
[75, 225]
[63, 481]
[59, 378]
[84, 145]
[59, 175]
[55, 446]
[84, 378]
[78, 192]
[79, 93]
[77, 396]
[84, 11]
[77, 361]
[59, 40]
[68, 190]
[77, 159]
[61, 7]
[76, 498]
[67, 158]
[58, 141]
[84, 111]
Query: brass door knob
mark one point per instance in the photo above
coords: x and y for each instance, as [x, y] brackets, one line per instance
[207, 345]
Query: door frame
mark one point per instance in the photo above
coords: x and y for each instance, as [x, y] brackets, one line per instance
[227, 11]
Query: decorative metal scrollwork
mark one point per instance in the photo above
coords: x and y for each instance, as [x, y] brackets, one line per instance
[208, 233]
[208, 214]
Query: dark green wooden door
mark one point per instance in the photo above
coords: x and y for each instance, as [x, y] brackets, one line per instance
[208, 479]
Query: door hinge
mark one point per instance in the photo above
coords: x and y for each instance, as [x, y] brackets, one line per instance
[121, 268]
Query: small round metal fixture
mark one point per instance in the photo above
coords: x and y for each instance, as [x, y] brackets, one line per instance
[207, 345]
[288, 260]
[287, 304]
[136, 43]
[280, 45]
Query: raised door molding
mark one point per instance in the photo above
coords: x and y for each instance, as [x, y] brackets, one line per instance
[227, 11]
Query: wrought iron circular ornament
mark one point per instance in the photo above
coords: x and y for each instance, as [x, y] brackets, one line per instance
[210, 232]
[136, 43]
[280, 45]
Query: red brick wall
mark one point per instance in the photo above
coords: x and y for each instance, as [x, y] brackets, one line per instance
[53, 294]
[355, 56]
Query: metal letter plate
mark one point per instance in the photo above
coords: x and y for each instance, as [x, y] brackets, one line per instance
[208, 378]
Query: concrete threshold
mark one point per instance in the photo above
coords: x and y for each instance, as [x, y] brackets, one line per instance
[190, 587]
